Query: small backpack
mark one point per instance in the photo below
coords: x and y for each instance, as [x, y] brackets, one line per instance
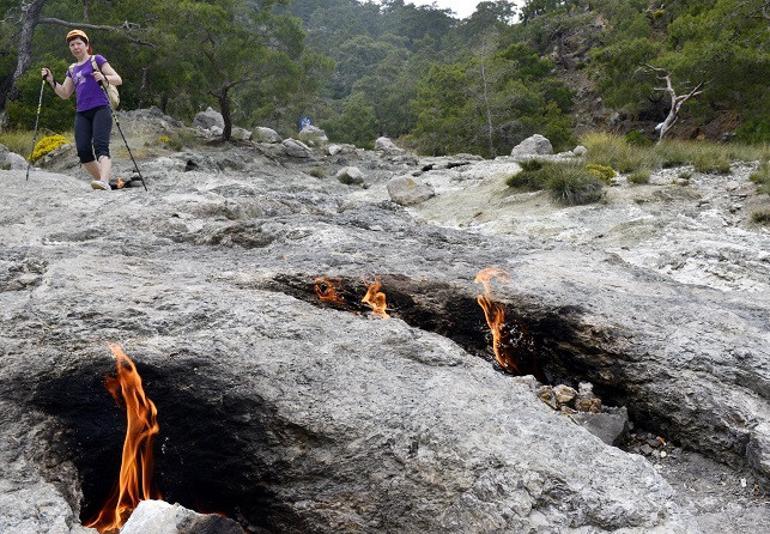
[112, 91]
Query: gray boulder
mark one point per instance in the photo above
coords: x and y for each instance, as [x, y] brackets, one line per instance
[313, 136]
[208, 119]
[160, 517]
[350, 176]
[262, 134]
[580, 151]
[296, 149]
[533, 145]
[407, 191]
[240, 134]
[15, 162]
[385, 144]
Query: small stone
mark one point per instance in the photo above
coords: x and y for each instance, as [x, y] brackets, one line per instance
[663, 454]
[564, 394]
[407, 191]
[545, 394]
[350, 176]
[645, 449]
[743, 483]
[589, 405]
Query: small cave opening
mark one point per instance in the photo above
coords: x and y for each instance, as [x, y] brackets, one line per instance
[206, 454]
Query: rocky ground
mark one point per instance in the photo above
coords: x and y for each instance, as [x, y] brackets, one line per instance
[290, 414]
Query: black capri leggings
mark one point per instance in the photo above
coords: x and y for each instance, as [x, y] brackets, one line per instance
[92, 133]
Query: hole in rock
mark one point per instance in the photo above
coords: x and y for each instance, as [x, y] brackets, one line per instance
[209, 454]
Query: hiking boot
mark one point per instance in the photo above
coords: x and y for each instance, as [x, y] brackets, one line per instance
[100, 184]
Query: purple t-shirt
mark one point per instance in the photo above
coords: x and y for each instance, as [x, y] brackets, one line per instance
[87, 92]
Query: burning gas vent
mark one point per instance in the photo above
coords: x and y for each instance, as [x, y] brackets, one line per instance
[203, 450]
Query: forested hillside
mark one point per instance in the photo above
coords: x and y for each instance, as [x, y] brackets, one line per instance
[361, 69]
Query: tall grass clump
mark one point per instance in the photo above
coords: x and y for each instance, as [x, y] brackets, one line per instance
[572, 185]
[19, 141]
[761, 217]
[530, 178]
[705, 156]
[642, 176]
[613, 151]
[761, 177]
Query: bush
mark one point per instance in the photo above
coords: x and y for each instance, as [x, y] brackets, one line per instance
[761, 216]
[613, 151]
[637, 138]
[46, 145]
[712, 163]
[18, 141]
[602, 172]
[317, 172]
[572, 185]
[532, 176]
[761, 177]
[641, 176]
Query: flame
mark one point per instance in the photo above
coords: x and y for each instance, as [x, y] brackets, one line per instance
[120, 183]
[376, 299]
[494, 313]
[135, 478]
[326, 290]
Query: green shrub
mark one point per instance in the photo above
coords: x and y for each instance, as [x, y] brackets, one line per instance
[602, 172]
[712, 163]
[761, 216]
[572, 185]
[531, 165]
[637, 138]
[642, 176]
[318, 172]
[761, 177]
[46, 145]
[613, 151]
[18, 141]
[684, 175]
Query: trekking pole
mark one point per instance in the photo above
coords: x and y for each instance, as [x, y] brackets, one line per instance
[117, 123]
[37, 119]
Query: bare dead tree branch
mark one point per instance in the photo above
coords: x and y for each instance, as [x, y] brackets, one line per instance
[125, 28]
[677, 101]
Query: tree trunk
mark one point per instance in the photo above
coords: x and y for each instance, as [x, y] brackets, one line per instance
[224, 108]
[86, 7]
[30, 18]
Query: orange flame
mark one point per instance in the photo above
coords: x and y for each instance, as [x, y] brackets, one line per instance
[120, 183]
[135, 478]
[495, 315]
[326, 290]
[376, 300]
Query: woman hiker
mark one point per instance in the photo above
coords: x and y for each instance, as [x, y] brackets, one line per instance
[93, 120]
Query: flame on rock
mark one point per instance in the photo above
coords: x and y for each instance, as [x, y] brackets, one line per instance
[376, 300]
[135, 479]
[326, 289]
[494, 313]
